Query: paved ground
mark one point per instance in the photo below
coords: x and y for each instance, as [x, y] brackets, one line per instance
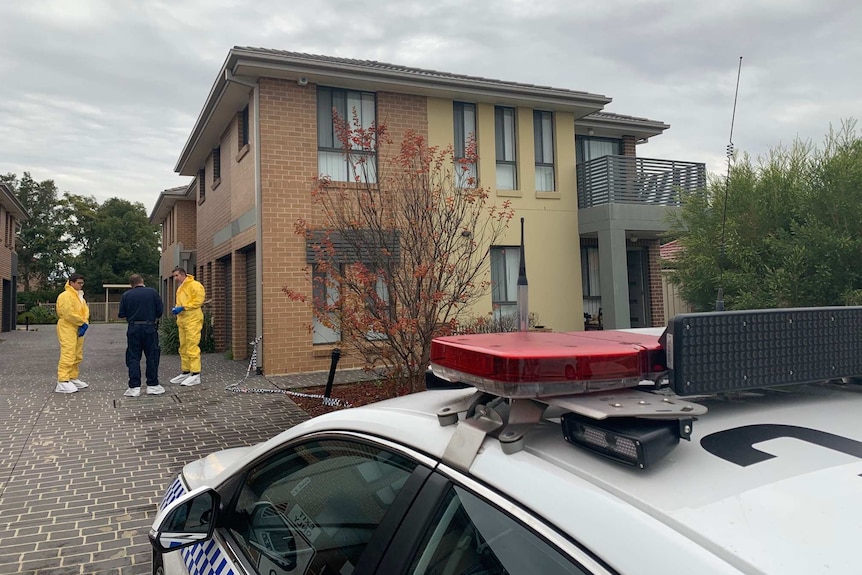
[81, 474]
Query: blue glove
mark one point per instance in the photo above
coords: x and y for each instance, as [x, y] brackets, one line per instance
[83, 329]
[178, 310]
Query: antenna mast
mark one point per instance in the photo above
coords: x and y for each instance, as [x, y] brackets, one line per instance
[719, 300]
[523, 306]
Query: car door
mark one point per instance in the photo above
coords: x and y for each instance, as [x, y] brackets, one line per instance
[327, 505]
[461, 527]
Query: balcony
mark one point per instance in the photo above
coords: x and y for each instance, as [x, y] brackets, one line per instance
[641, 181]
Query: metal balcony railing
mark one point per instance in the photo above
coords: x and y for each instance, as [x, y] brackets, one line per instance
[630, 180]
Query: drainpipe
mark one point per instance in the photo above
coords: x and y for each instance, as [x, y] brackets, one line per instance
[254, 124]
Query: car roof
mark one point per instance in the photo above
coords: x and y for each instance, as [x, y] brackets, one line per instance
[796, 512]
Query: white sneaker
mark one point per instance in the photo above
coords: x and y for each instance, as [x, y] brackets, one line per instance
[180, 378]
[155, 390]
[192, 379]
[65, 387]
[133, 392]
[79, 384]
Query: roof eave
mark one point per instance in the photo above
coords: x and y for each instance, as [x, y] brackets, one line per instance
[13, 204]
[252, 65]
[167, 200]
[640, 128]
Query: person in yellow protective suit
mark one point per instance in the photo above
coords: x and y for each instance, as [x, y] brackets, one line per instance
[190, 321]
[72, 323]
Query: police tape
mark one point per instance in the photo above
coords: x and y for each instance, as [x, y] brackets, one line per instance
[327, 401]
[252, 365]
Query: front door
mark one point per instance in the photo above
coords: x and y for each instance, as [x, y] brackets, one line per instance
[638, 292]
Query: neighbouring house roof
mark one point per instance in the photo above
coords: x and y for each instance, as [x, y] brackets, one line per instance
[247, 64]
[609, 124]
[12, 204]
[671, 250]
[168, 198]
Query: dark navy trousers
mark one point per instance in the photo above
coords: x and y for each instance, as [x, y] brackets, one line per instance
[142, 338]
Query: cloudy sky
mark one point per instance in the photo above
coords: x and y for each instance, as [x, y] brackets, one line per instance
[100, 95]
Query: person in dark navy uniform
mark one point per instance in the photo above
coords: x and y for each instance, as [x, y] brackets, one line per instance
[141, 307]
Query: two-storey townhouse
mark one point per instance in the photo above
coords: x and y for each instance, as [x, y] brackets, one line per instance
[265, 134]
[12, 213]
[176, 212]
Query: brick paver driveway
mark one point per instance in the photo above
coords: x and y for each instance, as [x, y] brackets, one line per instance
[81, 474]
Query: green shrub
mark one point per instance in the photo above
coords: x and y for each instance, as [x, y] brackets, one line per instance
[169, 335]
[37, 315]
[34, 297]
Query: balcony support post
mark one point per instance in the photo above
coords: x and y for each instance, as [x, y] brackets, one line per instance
[613, 277]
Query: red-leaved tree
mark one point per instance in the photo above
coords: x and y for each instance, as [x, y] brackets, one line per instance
[401, 252]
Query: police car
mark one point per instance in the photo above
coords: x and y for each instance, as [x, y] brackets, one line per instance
[729, 443]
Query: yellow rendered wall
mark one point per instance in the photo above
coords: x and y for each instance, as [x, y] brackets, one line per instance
[551, 218]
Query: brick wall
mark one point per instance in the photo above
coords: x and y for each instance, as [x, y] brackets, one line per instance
[5, 251]
[629, 143]
[656, 294]
[288, 121]
[185, 218]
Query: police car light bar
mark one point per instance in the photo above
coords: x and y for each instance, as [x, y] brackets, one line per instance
[718, 352]
[537, 364]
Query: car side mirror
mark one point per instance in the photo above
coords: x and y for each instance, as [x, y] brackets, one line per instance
[188, 520]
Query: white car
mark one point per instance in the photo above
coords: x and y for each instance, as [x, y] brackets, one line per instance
[524, 475]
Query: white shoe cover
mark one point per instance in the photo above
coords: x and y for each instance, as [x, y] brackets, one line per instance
[192, 380]
[65, 387]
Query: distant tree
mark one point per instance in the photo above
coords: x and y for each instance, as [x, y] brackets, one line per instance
[400, 254]
[115, 239]
[43, 252]
[793, 229]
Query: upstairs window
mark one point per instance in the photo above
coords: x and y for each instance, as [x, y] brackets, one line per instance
[202, 186]
[590, 147]
[543, 139]
[504, 137]
[242, 121]
[217, 164]
[465, 135]
[358, 110]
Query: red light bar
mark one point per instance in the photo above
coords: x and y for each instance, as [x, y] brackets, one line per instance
[534, 364]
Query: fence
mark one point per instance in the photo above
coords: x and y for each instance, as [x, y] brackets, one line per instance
[98, 310]
[673, 302]
[646, 181]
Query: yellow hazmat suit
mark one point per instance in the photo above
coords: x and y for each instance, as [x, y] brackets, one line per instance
[190, 295]
[72, 312]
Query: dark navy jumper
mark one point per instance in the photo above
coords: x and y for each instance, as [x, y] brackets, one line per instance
[141, 306]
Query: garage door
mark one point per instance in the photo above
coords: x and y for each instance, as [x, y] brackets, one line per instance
[251, 295]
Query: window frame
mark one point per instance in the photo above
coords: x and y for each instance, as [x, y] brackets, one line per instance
[407, 542]
[506, 144]
[388, 528]
[540, 138]
[580, 147]
[243, 127]
[202, 186]
[216, 166]
[462, 136]
[509, 306]
[327, 138]
[319, 332]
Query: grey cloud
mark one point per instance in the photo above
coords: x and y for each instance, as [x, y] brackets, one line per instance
[103, 94]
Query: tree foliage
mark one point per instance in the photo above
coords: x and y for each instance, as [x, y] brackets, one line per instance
[786, 232]
[400, 254]
[72, 233]
[43, 249]
[115, 240]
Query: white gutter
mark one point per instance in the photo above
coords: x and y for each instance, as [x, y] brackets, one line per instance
[254, 123]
